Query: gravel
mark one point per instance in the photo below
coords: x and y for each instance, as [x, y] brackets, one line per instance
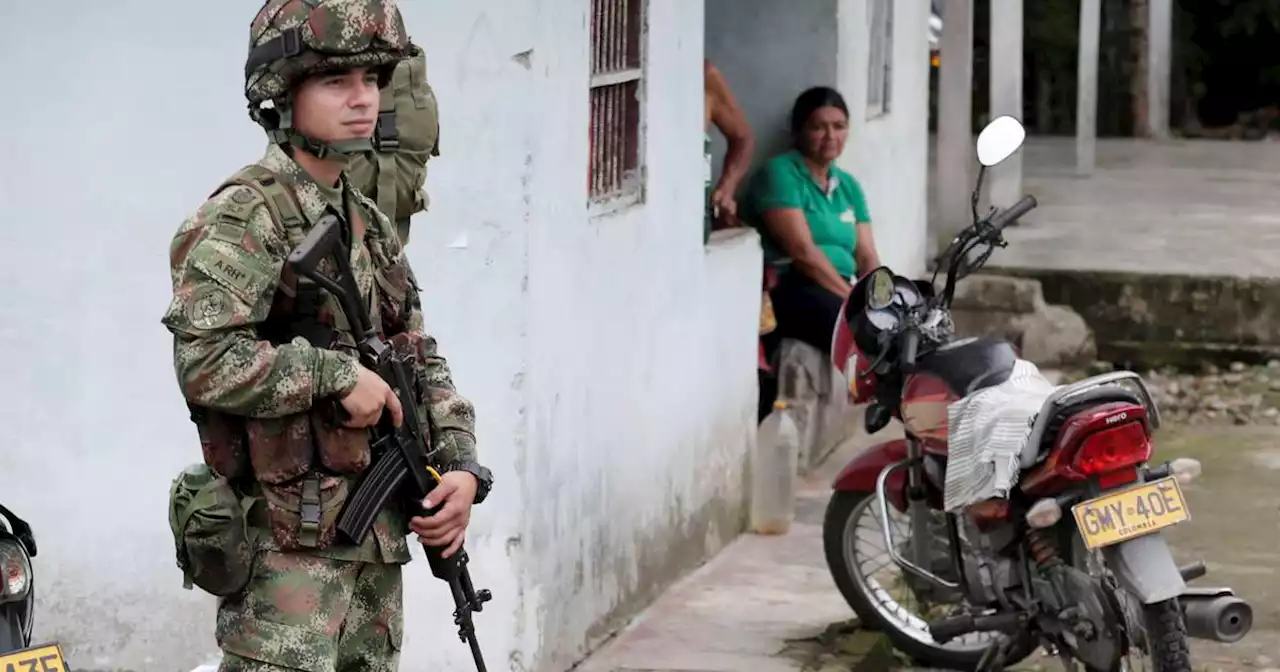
[1240, 394]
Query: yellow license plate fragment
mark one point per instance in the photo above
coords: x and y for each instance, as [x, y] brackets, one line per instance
[1120, 516]
[46, 658]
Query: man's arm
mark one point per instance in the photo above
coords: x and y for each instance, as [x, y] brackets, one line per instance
[225, 264]
[732, 122]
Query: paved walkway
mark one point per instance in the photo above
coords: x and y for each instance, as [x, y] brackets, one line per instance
[1183, 207]
[736, 612]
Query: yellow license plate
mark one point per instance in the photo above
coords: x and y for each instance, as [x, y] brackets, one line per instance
[1120, 516]
[47, 658]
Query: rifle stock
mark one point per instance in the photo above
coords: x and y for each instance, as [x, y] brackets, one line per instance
[399, 452]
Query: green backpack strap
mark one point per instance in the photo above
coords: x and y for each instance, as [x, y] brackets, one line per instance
[280, 200]
[387, 141]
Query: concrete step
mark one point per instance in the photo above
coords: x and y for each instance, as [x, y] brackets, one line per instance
[1151, 320]
[1015, 309]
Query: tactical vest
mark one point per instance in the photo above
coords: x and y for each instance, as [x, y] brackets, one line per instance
[277, 457]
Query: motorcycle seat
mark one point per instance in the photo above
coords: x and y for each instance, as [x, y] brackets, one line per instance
[1055, 412]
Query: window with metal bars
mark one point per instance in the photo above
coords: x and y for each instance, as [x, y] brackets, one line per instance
[880, 73]
[617, 69]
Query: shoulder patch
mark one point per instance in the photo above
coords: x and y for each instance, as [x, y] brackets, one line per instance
[240, 204]
[235, 274]
[209, 308]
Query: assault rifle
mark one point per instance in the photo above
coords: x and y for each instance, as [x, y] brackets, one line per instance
[400, 467]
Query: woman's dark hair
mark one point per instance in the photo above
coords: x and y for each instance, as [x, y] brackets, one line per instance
[812, 99]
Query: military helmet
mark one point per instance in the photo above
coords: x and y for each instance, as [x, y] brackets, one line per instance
[290, 40]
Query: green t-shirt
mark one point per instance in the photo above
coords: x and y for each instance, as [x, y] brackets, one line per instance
[785, 182]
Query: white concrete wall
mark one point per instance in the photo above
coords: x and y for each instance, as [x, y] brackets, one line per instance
[611, 359]
[889, 153]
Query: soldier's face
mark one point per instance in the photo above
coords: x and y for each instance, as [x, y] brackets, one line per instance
[333, 107]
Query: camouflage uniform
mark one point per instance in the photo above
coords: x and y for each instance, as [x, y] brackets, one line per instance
[313, 602]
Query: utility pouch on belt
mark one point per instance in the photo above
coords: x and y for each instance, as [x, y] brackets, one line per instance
[303, 503]
[213, 540]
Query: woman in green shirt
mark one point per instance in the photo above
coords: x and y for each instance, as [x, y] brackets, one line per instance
[815, 224]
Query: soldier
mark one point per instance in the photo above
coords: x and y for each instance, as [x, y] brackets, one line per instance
[266, 360]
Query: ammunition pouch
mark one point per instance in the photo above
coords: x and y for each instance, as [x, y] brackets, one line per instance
[303, 493]
[303, 513]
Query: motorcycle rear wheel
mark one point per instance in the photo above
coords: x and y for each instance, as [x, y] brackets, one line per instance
[1167, 648]
[844, 512]
[1167, 635]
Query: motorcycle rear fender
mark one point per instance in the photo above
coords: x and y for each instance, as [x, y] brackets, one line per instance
[860, 474]
[1145, 567]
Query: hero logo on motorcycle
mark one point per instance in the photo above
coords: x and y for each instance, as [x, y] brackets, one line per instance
[993, 457]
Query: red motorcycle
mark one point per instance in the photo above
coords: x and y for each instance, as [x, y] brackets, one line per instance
[1047, 530]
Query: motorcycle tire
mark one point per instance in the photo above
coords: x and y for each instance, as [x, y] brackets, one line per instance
[1167, 635]
[840, 508]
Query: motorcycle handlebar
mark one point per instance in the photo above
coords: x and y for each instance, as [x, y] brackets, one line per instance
[1006, 217]
[910, 344]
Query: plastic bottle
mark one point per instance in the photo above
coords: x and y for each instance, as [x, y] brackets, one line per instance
[773, 473]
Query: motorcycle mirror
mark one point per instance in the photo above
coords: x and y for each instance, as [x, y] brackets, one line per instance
[880, 289]
[999, 140]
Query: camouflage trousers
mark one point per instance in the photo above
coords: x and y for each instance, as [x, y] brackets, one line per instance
[313, 614]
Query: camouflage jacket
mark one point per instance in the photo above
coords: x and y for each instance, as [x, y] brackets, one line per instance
[226, 265]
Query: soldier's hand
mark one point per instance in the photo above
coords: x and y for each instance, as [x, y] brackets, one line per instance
[457, 489]
[364, 403]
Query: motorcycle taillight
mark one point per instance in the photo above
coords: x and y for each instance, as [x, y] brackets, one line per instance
[15, 571]
[1112, 449]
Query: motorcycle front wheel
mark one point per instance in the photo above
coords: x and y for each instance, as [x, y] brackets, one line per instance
[877, 591]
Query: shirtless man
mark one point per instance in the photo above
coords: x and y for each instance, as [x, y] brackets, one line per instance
[723, 111]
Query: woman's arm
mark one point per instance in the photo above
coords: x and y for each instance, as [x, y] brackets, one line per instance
[790, 229]
[864, 251]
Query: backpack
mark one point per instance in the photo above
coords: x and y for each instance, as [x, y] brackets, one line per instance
[406, 137]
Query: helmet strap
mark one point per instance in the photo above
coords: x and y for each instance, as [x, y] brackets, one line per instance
[279, 127]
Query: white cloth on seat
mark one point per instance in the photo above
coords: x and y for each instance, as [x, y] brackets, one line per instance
[986, 434]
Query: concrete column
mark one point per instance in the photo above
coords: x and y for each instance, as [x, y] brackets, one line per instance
[1087, 86]
[1006, 93]
[955, 168]
[1159, 65]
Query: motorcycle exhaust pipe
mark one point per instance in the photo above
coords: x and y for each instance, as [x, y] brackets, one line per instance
[1216, 614]
[946, 629]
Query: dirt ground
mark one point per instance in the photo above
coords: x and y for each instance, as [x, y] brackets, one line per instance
[1234, 529]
